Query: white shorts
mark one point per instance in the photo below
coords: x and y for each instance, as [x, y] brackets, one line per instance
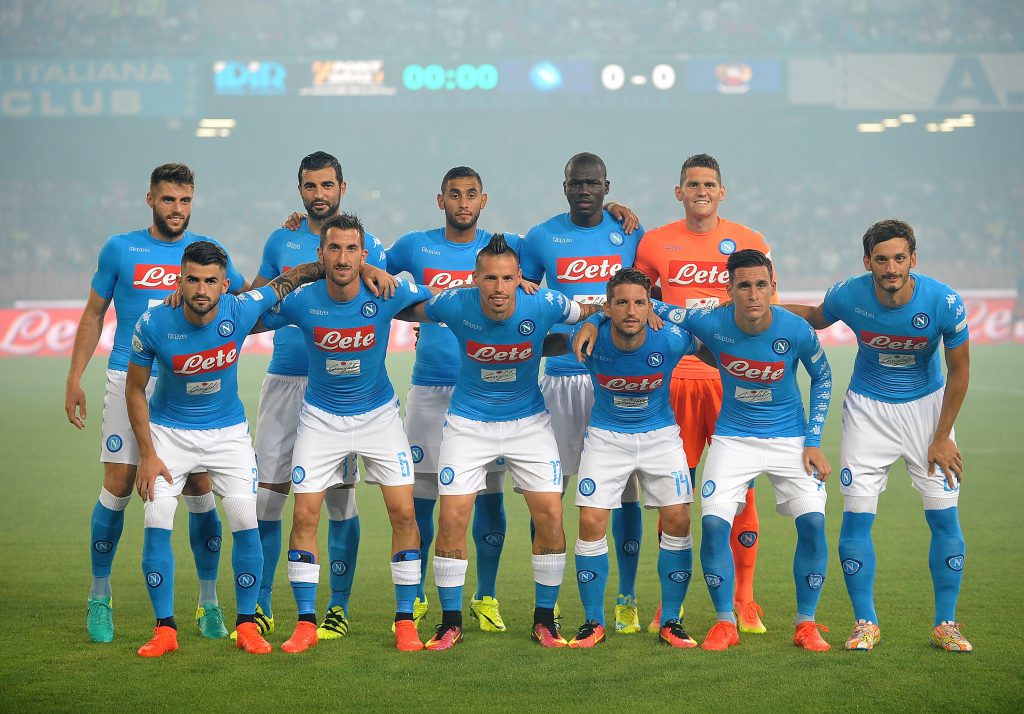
[118, 445]
[527, 445]
[225, 453]
[876, 434]
[734, 461]
[324, 441]
[610, 457]
[569, 399]
[425, 411]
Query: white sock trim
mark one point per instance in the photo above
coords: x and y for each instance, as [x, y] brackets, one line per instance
[671, 542]
[114, 503]
[303, 572]
[159, 513]
[241, 513]
[860, 504]
[449, 572]
[549, 569]
[933, 503]
[341, 503]
[591, 548]
[725, 511]
[270, 504]
[200, 504]
[405, 572]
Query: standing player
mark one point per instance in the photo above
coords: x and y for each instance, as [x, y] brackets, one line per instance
[897, 406]
[195, 420]
[497, 411]
[444, 258]
[688, 257]
[578, 252]
[349, 407]
[321, 187]
[632, 429]
[137, 270]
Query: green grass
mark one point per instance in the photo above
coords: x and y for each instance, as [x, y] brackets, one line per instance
[52, 477]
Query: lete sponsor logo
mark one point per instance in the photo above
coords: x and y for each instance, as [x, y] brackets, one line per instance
[704, 273]
[752, 370]
[155, 277]
[447, 278]
[623, 383]
[595, 269]
[480, 352]
[211, 360]
[901, 343]
[349, 339]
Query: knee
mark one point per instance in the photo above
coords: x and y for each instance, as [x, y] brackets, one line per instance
[593, 524]
[197, 484]
[305, 518]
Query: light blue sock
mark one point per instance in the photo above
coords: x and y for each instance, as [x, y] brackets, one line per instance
[945, 560]
[716, 562]
[809, 563]
[247, 564]
[343, 550]
[627, 532]
[105, 534]
[675, 566]
[304, 592]
[158, 569]
[592, 578]
[404, 594]
[545, 596]
[857, 558]
[451, 598]
[270, 542]
[424, 508]
[489, 537]
[204, 535]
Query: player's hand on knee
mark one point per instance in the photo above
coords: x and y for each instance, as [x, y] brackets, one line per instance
[174, 300]
[529, 287]
[815, 463]
[74, 405]
[624, 215]
[293, 221]
[145, 476]
[943, 452]
[583, 342]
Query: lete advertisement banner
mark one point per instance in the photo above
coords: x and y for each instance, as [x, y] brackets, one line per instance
[50, 331]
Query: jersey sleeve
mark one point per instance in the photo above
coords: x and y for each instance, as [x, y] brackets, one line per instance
[142, 352]
[813, 358]
[515, 242]
[445, 306]
[954, 320]
[268, 268]
[105, 277]
[682, 341]
[253, 304]
[558, 307]
[375, 253]
[531, 260]
[407, 294]
[397, 256]
[699, 322]
[832, 305]
[284, 312]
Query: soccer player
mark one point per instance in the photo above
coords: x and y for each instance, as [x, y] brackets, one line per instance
[632, 430]
[444, 258]
[578, 252]
[896, 406]
[349, 407]
[761, 428]
[195, 420]
[497, 411]
[321, 188]
[688, 257]
[137, 270]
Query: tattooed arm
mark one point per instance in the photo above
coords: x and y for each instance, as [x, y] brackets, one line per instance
[299, 275]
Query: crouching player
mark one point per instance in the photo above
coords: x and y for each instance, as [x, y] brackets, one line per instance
[632, 429]
[196, 420]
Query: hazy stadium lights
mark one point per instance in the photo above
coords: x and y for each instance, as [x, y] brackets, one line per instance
[890, 123]
[217, 123]
[908, 118]
[868, 128]
[931, 126]
[206, 133]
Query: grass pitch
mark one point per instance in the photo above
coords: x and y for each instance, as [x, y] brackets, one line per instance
[47, 663]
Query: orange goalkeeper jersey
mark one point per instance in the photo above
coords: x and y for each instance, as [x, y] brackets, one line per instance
[691, 269]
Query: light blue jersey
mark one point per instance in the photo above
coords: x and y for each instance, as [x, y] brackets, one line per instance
[578, 262]
[760, 394]
[433, 260]
[897, 348]
[499, 361]
[198, 385]
[631, 389]
[284, 250]
[138, 272]
[345, 343]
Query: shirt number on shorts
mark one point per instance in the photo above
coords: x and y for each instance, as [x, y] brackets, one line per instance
[255, 478]
[403, 462]
[680, 480]
[556, 472]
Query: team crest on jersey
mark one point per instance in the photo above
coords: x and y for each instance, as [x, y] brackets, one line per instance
[677, 315]
[446, 476]
[727, 246]
[955, 562]
[585, 576]
[102, 546]
[114, 443]
[846, 477]
[369, 309]
[137, 343]
[494, 539]
[153, 579]
[417, 454]
[631, 547]
[851, 566]
[815, 581]
[714, 581]
[526, 327]
[748, 538]
[655, 359]
[298, 474]
[615, 238]
[920, 321]
[780, 346]
[679, 576]
[587, 486]
[226, 328]
[213, 544]
[707, 489]
[245, 580]
[339, 567]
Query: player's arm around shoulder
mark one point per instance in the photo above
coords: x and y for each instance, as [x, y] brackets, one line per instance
[90, 327]
[423, 295]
